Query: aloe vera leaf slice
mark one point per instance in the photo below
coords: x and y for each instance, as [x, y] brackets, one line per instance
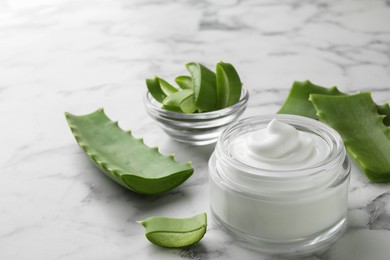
[204, 82]
[155, 89]
[188, 105]
[174, 101]
[175, 232]
[125, 159]
[365, 136]
[185, 82]
[228, 85]
[298, 103]
[167, 88]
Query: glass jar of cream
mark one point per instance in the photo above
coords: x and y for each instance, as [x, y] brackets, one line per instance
[280, 183]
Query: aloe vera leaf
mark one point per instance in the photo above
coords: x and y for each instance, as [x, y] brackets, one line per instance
[185, 82]
[298, 103]
[167, 88]
[155, 89]
[365, 136]
[204, 82]
[175, 232]
[173, 102]
[228, 85]
[188, 105]
[125, 159]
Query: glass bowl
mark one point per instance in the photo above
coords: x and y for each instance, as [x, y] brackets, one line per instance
[197, 128]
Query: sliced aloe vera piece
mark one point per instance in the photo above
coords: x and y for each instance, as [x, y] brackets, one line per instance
[298, 103]
[125, 159]
[185, 82]
[175, 232]
[155, 89]
[178, 102]
[167, 88]
[188, 105]
[204, 82]
[228, 85]
[365, 136]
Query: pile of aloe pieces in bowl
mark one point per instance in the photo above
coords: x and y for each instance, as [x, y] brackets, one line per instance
[203, 91]
[363, 125]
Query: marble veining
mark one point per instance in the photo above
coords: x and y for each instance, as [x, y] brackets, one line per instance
[77, 56]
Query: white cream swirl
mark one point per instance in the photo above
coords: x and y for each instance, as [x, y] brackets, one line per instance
[279, 146]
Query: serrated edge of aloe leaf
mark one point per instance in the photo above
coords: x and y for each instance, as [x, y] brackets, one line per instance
[372, 175]
[332, 91]
[120, 175]
[290, 103]
[384, 109]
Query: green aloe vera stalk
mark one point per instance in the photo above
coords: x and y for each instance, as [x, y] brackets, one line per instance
[155, 89]
[125, 159]
[167, 88]
[228, 85]
[180, 101]
[298, 103]
[175, 232]
[204, 82]
[185, 82]
[365, 136]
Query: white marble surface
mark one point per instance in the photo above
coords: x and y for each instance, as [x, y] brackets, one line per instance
[76, 56]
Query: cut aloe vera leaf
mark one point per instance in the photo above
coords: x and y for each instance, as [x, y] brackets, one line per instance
[175, 232]
[297, 102]
[185, 82]
[155, 89]
[174, 101]
[365, 136]
[167, 88]
[188, 105]
[228, 85]
[204, 82]
[125, 159]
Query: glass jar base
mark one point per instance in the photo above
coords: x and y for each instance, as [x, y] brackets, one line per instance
[295, 247]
